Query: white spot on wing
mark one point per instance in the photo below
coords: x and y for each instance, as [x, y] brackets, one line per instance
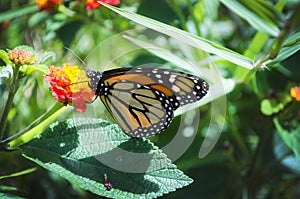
[175, 88]
[172, 78]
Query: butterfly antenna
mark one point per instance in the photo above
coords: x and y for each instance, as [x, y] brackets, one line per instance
[76, 56]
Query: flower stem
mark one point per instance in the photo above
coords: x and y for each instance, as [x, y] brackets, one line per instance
[35, 127]
[5, 113]
[13, 85]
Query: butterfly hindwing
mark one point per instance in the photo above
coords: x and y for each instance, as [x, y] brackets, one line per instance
[138, 111]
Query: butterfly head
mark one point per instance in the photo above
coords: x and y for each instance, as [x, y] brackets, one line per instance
[95, 77]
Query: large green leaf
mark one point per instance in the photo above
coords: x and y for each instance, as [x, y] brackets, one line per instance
[259, 14]
[84, 150]
[186, 37]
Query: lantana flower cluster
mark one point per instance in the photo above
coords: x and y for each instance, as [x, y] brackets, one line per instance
[50, 5]
[69, 85]
[21, 57]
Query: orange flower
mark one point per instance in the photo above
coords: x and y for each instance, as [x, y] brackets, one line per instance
[48, 5]
[93, 4]
[295, 93]
[21, 56]
[69, 85]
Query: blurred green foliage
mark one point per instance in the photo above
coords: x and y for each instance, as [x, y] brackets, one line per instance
[257, 154]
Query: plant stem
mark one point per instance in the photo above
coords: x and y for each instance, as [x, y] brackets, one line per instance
[255, 69]
[5, 113]
[13, 86]
[278, 43]
[41, 119]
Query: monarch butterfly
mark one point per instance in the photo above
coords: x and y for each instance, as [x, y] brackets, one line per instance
[143, 100]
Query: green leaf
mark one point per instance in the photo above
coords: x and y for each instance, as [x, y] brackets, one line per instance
[193, 40]
[158, 10]
[259, 40]
[291, 138]
[5, 188]
[259, 14]
[283, 154]
[84, 150]
[257, 44]
[28, 69]
[18, 13]
[27, 171]
[36, 18]
[7, 196]
[165, 54]
[4, 57]
[6, 72]
[290, 47]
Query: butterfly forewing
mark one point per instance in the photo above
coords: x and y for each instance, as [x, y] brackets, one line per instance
[186, 87]
[143, 100]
